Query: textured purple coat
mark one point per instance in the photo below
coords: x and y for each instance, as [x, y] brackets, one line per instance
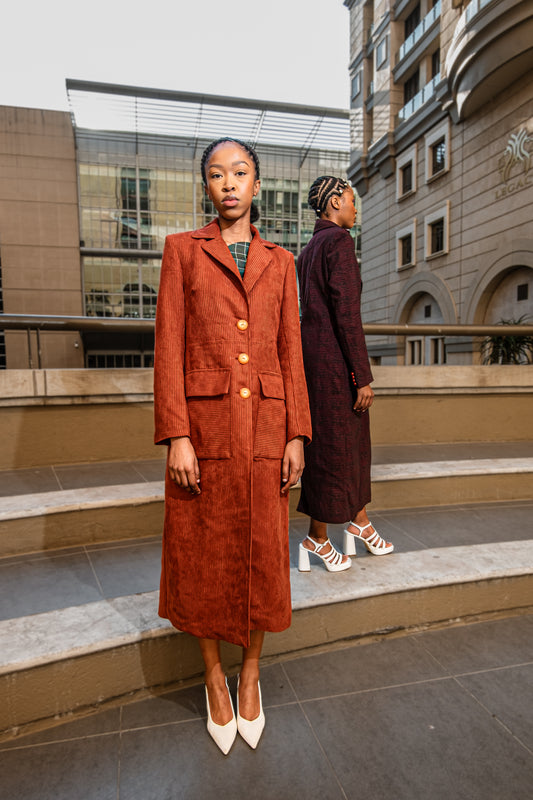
[336, 479]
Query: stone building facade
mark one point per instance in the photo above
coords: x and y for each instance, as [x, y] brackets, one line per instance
[442, 156]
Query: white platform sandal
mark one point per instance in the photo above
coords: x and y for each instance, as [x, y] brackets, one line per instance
[374, 544]
[332, 559]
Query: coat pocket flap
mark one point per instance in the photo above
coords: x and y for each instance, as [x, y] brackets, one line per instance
[207, 382]
[272, 385]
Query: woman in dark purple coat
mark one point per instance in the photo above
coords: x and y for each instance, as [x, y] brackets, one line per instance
[336, 478]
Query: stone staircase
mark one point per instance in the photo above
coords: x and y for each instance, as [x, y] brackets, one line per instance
[80, 549]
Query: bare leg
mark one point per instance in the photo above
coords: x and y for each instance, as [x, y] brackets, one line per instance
[248, 690]
[318, 531]
[362, 520]
[215, 680]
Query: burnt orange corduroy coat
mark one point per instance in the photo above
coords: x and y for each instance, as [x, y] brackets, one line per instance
[229, 374]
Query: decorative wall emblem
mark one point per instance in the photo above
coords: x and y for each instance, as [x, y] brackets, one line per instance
[515, 163]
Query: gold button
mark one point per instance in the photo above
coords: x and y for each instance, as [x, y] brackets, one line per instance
[243, 358]
[244, 392]
[242, 324]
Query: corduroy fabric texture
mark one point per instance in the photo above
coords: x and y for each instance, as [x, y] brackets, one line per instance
[225, 565]
[336, 478]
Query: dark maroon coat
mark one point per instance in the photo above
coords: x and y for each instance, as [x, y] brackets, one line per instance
[336, 479]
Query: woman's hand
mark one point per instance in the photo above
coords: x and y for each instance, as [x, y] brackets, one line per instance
[293, 463]
[365, 398]
[183, 465]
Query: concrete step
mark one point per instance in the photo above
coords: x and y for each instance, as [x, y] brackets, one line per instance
[450, 564]
[87, 515]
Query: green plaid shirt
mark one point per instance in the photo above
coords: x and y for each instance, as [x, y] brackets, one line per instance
[239, 251]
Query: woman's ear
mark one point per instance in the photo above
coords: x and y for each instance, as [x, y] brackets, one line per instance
[336, 202]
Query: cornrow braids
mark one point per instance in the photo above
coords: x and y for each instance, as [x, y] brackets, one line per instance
[254, 211]
[322, 190]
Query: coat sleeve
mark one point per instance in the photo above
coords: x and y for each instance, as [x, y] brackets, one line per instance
[170, 405]
[291, 359]
[344, 281]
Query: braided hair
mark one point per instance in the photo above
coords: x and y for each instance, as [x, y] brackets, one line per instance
[254, 211]
[322, 190]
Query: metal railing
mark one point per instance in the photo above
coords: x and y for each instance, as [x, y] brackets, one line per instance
[38, 324]
[419, 31]
[419, 99]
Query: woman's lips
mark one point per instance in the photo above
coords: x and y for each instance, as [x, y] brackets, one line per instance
[230, 201]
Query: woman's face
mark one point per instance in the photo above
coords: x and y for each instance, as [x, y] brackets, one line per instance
[231, 182]
[347, 209]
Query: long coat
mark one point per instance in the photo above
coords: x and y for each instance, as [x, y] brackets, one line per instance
[336, 478]
[228, 374]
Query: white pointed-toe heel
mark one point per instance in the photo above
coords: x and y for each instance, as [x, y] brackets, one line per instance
[332, 559]
[374, 544]
[223, 735]
[251, 729]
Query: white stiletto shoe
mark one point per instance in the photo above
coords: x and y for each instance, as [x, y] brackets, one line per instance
[251, 729]
[223, 735]
[374, 544]
[332, 559]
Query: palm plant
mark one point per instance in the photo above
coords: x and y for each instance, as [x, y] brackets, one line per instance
[508, 349]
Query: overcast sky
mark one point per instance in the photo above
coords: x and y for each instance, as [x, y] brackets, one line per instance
[288, 50]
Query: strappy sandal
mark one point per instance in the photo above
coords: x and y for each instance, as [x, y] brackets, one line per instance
[332, 559]
[374, 544]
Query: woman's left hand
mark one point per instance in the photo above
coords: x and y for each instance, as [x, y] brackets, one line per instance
[293, 463]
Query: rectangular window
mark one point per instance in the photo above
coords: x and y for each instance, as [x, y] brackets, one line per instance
[406, 250]
[435, 63]
[427, 312]
[381, 53]
[437, 351]
[412, 21]
[356, 84]
[407, 178]
[411, 87]
[437, 236]
[522, 291]
[438, 156]
[406, 246]
[414, 354]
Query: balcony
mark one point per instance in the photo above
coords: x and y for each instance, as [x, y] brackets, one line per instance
[427, 93]
[492, 48]
[419, 31]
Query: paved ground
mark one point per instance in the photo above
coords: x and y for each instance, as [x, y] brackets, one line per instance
[439, 714]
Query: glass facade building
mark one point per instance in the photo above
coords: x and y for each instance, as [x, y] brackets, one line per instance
[138, 161]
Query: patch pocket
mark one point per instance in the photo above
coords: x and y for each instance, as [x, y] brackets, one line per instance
[208, 401]
[271, 426]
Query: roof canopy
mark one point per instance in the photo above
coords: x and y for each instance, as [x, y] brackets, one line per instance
[103, 106]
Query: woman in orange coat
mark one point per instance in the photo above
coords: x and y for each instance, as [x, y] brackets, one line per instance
[231, 404]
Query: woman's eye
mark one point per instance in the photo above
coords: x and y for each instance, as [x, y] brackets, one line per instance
[215, 175]
[240, 172]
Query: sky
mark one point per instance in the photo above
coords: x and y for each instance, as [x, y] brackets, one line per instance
[294, 51]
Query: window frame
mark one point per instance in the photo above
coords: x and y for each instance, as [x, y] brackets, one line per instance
[433, 139]
[402, 160]
[441, 213]
[383, 44]
[401, 234]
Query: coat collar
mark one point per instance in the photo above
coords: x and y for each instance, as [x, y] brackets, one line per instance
[323, 224]
[259, 255]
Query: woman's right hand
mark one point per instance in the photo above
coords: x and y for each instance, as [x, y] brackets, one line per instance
[183, 465]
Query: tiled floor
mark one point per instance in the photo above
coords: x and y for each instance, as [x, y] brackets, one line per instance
[439, 714]
[32, 584]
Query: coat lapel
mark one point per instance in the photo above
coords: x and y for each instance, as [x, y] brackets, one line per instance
[259, 258]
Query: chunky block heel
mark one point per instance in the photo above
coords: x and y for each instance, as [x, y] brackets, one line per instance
[332, 559]
[374, 543]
